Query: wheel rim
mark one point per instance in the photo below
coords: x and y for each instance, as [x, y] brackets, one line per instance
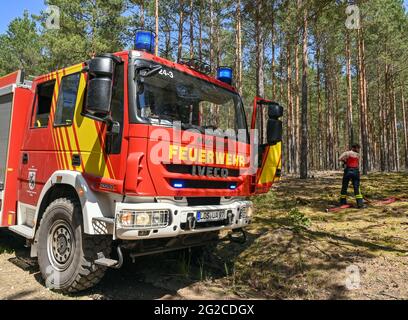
[60, 245]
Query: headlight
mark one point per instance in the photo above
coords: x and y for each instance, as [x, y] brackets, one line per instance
[250, 211]
[143, 219]
[127, 218]
[246, 212]
[146, 219]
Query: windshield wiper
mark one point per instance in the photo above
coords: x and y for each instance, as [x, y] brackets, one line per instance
[148, 72]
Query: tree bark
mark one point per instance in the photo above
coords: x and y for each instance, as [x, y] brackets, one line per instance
[290, 130]
[273, 67]
[238, 54]
[319, 142]
[212, 33]
[395, 129]
[260, 84]
[349, 122]
[304, 125]
[142, 14]
[191, 29]
[200, 32]
[157, 27]
[297, 106]
[180, 33]
[363, 101]
[405, 127]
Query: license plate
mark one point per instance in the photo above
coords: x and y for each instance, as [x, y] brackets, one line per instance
[214, 215]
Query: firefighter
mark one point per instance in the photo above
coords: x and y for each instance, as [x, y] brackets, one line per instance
[351, 160]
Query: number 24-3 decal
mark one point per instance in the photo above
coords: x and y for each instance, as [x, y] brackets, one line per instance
[166, 73]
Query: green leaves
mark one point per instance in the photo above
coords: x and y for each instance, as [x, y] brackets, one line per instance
[20, 46]
[298, 220]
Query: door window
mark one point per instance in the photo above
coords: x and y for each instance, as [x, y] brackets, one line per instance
[67, 100]
[45, 93]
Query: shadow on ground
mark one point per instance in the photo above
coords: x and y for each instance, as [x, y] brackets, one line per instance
[160, 276]
[295, 250]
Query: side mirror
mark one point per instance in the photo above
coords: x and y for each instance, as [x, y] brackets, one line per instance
[100, 83]
[274, 126]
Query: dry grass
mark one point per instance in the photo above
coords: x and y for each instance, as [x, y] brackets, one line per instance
[295, 250]
[298, 251]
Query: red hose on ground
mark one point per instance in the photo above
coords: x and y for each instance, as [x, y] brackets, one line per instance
[373, 202]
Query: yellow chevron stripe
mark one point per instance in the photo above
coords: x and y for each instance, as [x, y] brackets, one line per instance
[57, 143]
[272, 163]
[60, 134]
[87, 135]
[86, 132]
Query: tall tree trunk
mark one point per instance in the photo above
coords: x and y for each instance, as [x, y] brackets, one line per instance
[142, 14]
[381, 135]
[349, 125]
[157, 27]
[304, 124]
[238, 54]
[180, 33]
[405, 127]
[218, 43]
[319, 143]
[191, 29]
[273, 67]
[200, 32]
[297, 103]
[363, 101]
[259, 34]
[290, 129]
[212, 33]
[395, 129]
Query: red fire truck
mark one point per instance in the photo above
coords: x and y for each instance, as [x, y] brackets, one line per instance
[91, 159]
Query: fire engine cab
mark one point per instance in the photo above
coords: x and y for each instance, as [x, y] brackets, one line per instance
[129, 151]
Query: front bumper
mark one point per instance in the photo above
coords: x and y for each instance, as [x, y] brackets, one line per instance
[180, 220]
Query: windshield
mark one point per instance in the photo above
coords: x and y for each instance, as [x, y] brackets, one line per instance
[170, 95]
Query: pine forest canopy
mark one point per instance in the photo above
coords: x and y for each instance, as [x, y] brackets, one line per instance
[338, 67]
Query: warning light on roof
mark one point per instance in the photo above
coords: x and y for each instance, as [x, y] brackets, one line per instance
[145, 41]
[224, 74]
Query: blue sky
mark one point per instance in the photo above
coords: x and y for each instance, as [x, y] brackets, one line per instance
[16, 9]
[35, 6]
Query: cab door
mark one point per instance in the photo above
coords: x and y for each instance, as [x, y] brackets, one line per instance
[266, 122]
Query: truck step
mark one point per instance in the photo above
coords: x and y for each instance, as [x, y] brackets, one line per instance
[23, 230]
[106, 262]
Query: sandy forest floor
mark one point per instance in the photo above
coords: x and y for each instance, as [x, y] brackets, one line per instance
[295, 250]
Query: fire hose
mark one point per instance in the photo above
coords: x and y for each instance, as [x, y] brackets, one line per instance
[371, 202]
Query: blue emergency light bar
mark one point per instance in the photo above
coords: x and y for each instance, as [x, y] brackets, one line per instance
[145, 41]
[224, 74]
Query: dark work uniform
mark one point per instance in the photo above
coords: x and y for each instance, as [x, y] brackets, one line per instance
[351, 173]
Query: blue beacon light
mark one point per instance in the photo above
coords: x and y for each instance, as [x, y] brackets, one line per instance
[178, 185]
[145, 41]
[224, 74]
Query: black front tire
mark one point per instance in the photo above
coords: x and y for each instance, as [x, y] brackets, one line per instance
[65, 254]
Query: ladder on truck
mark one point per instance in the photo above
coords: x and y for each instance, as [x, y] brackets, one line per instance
[15, 94]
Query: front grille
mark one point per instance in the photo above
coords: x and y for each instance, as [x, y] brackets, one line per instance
[203, 201]
[188, 169]
[205, 184]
